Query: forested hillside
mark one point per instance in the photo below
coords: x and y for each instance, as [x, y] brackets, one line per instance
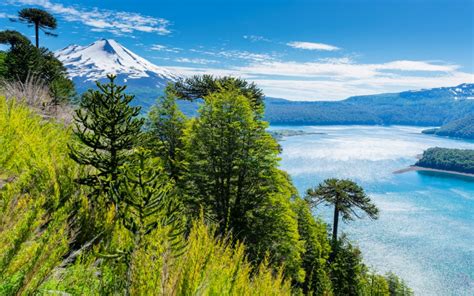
[426, 107]
[460, 128]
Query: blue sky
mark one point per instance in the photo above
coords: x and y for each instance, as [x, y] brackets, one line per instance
[306, 50]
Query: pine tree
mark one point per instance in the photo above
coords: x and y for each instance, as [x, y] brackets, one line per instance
[107, 129]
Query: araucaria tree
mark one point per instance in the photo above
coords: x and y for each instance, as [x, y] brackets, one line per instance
[199, 87]
[107, 129]
[40, 19]
[346, 196]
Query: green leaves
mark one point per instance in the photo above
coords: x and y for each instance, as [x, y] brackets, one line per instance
[200, 87]
[107, 129]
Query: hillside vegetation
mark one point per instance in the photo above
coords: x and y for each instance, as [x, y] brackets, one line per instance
[121, 203]
[461, 128]
[458, 160]
[427, 107]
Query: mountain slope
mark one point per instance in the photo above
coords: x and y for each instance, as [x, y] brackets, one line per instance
[460, 128]
[427, 107]
[87, 64]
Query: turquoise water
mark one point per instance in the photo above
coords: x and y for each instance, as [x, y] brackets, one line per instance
[425, 232]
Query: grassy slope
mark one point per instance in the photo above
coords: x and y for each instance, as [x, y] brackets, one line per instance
[35, 230]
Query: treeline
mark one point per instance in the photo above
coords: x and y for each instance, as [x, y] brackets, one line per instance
[431, 107]
[461, 128]
[458, 160]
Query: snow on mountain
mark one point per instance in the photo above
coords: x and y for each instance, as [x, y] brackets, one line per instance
[86, 64]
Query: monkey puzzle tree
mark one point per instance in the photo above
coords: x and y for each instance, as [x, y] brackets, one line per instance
[40, 19]
[107, 129]
[346, 196]
[13, 38]
[198, 87]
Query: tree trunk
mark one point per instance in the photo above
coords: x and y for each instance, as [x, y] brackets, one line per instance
[37, 34]
[335, 224]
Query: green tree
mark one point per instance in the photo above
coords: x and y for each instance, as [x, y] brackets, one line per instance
[396, 286]
[13, 38]
[317, 250]
[23, 60]
[231, 158]
[40, 19]
[347, 269]
[165, 126]
[232, 173]
[198, 87]
[346, 196]
[107, 129]
[3, 67]
[148, 203]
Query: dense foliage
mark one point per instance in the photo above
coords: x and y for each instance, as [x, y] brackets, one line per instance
[43, 210]
[434, 107]
[23, 60]
[198, 87]
[461, 128]
[458, 160]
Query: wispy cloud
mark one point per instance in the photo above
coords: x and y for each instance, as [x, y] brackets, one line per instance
[342, 68]
[339, 78]
[6, 15]
[195, 61]
[236, 55]
[160, 47]
[256, 38]
[104, 20]
[312, 46]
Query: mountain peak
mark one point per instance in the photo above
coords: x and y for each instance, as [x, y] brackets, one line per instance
[106, 56]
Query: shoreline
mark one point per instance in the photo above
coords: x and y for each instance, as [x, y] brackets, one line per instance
[418, 168]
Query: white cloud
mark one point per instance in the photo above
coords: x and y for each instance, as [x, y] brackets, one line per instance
[6, 15]
[159, 47]
[337, 79]
[195, 61]
[256, 38]
[237, 55]
[104, 20]
[342, 68]
[312, 46]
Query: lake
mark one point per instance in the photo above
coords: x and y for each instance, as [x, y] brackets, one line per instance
[425, 233]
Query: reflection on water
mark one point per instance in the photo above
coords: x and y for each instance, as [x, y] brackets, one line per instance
[425, 231]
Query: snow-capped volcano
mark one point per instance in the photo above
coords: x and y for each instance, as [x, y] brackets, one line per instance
[86, 64]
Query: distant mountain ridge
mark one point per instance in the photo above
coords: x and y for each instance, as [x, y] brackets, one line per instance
[424, 107]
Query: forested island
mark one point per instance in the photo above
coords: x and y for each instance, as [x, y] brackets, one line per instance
[455, 160]
[279, 134]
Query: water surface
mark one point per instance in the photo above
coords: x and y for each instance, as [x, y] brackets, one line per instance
[425, 232]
